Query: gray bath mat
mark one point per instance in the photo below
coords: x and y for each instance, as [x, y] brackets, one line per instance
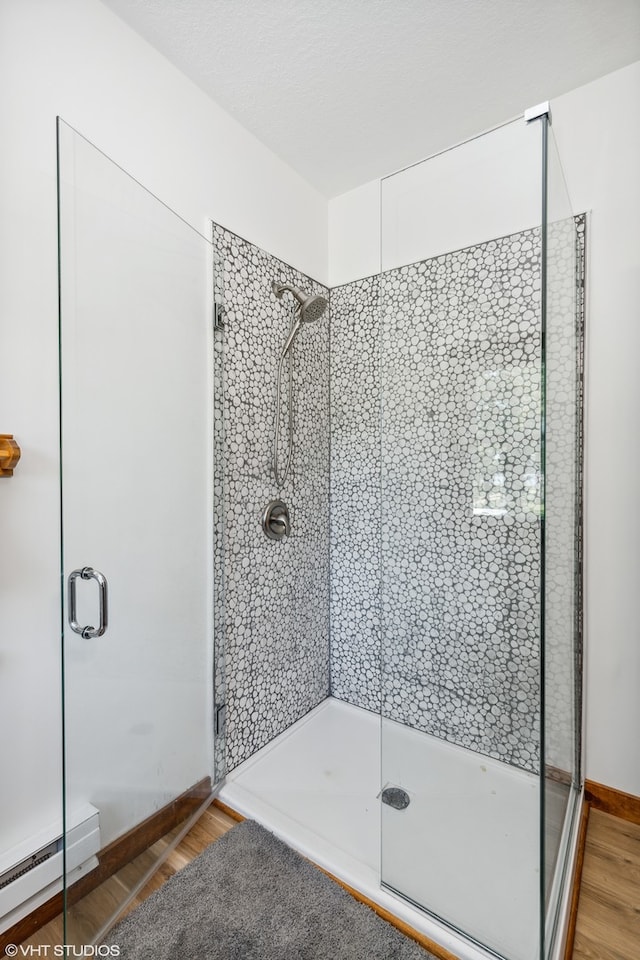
[250, 897]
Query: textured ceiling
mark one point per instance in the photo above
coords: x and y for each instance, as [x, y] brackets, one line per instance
[346, 91]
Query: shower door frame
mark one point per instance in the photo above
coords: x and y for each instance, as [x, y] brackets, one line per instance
[555, 900]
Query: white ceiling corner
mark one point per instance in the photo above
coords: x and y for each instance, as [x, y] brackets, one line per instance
[346, 91]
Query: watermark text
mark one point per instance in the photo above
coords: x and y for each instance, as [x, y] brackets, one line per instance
[62, 950]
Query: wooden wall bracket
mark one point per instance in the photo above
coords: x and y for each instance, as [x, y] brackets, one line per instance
[9, 454]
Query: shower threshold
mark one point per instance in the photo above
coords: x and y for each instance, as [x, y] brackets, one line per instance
[317, 787]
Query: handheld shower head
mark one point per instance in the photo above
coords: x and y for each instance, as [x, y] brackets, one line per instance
[311, 306]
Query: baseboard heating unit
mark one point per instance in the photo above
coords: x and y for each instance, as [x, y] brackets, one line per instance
[31, 872]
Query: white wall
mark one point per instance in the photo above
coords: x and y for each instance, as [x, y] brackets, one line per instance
[598, 132]
[486, 188]
[354, 234]
[597, 128]
[76, 59]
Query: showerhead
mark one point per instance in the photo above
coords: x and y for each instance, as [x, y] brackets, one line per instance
[313, 308]
[311, 305]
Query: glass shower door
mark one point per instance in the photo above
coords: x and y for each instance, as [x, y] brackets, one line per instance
[136, 453]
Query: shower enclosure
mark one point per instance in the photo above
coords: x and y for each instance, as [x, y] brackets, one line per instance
[434, 762]
[393, 681]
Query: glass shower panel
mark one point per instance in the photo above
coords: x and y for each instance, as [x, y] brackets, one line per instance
[137, 493]
[460, 302]
[564, 262]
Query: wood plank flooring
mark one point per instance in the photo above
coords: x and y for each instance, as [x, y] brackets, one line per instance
[608, 924]
[89, 914]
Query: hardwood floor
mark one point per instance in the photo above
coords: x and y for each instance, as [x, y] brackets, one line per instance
[89, 914]
[608, 924]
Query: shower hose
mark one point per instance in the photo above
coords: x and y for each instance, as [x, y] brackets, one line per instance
[280, 479]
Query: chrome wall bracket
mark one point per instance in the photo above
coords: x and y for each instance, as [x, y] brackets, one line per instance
[540, 110]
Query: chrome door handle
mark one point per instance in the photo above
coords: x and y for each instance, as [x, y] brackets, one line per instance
[88, 573]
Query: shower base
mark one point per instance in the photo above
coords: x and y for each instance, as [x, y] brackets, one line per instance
[317, 787]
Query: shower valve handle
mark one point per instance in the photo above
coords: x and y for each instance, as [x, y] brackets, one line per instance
[282, 522]
[276, 522]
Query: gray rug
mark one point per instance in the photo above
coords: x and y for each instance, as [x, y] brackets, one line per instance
[250, 897]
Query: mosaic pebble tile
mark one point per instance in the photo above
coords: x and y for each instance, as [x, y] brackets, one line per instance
[435, 382]
[355, 494]
[460, 573]
[274, 661]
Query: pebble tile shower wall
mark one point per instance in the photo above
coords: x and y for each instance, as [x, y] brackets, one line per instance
[467, 668]
[273, 653]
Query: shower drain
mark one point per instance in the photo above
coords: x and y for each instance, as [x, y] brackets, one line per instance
[396, 798]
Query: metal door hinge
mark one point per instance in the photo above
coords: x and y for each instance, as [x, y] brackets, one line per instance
[218, 312]
[221, 717]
